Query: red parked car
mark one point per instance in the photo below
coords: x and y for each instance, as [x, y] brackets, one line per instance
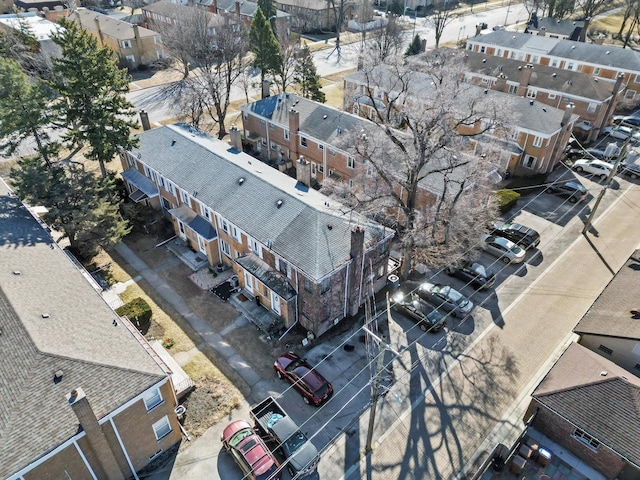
[313, 387]
[249, 451]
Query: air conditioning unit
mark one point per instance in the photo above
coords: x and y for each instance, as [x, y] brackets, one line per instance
[234, 281]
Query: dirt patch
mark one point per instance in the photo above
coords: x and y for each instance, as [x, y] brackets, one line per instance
[254, 348]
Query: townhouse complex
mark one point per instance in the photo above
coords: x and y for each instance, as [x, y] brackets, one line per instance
[298, 253]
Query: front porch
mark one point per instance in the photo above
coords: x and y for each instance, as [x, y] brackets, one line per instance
[181, 249]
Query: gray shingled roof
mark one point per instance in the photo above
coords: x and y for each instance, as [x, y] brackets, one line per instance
[176, 11]
[567, 82]
[110, 26]
[247, 9]
[78, 338]
[624, 59]
[570, 28]
[607, 406]
[610, 313]
[304, 230]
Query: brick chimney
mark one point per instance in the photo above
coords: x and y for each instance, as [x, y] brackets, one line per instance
[303, 171]
[525, 76]
[356, 272]
[108, 467]
[568, 111]
[501, 83]
[266, 88]
[294, 127]
[583, 31]
[614, 99]
[238, 12]
[144, 120]
[235, 138]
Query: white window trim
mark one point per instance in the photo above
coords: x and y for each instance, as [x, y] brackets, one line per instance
[586, 439]
[526, 160]
[224, 245]
[163, 423]
[152, 399]
[537, 142]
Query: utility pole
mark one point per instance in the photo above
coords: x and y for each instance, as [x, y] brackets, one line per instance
[614, 170]
[375, 389]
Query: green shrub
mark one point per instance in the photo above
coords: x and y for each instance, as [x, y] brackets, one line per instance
[138, 311]
[506, 199]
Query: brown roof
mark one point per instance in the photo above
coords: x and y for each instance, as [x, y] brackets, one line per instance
[610, 315]
[597, 396]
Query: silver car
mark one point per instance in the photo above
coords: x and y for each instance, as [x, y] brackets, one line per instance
[447, 298]
[504, 249]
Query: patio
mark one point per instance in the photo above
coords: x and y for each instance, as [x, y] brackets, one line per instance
[194, 260]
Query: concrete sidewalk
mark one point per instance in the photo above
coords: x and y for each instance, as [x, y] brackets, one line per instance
[480, 399]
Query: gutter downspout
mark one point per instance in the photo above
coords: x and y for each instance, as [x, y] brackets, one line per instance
[124, 450]
[346, 287]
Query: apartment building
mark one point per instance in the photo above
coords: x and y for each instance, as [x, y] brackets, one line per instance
[594, 99]
[82, 397]
[245, 11]
[314, 16]
[294, 250]
[133, 45]
[602, 61]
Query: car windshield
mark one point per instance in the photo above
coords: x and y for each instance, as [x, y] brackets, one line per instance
[294, 442]
[435, 316]
[515, 249]
[455, 296]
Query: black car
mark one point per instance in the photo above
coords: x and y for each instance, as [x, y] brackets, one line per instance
[574, 191]
[519, 234]
[575, 153]
[474, 273]
[412, 306]
[630, 169]
[627, 119]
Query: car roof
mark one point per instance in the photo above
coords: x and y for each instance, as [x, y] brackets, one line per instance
[284, 428]
[575, 186]
[310, 377]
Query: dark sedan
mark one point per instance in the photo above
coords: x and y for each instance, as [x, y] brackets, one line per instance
[429, 319]
[630, 169]
[523, 236]
[574, 191]
[313, 387]
[447, 298]
[473, 273]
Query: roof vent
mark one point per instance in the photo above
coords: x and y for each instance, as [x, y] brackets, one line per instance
[339, 130]
[329, 226]
[17, 272]
[607, 52]
[554, 75]
[324, 117]
[544, 110]
[530, 102]
[173, 142]
[486, 90]
[484, 60]
[114, 323]
[604, 373]
[139, 156]
[279, 203]
[595, 79]
[572, 47]
[240, 180]
[57, 376]
[45, 315]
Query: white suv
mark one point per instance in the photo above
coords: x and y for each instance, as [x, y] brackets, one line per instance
[599, 168]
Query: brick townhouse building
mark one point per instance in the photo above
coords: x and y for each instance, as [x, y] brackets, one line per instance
[293, 249]
[244, 10]
[81, 395]
[314, 15]
[132, 45]
[594, 99]
[163, 13]
[589, 406]
[536, 134]
[602, 61]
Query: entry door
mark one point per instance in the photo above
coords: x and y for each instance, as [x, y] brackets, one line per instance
[183, 234]
[275, 302]
[248, 280]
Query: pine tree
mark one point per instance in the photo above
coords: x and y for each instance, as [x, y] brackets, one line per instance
[93, 107]
[264, 46]
[307, 77]
[270, 12]
[81, 205]
[415, 47]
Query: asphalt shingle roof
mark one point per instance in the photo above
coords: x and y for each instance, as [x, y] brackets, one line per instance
[110, 26]
[308, 229]
[610, 315]
[623, 59]
[597, 396]
[78, 338]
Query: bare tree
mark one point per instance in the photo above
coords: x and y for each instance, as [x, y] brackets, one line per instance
[560, 9]
[418, 143]
[591, 8]
[631, 13]
[387, 43]
[289, 49]
[537, 7]
[338, 7]
[440, 18]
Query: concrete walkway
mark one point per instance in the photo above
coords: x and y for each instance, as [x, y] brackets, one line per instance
[214, 339]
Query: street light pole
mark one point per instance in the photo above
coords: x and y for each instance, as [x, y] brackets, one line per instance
[507, 15]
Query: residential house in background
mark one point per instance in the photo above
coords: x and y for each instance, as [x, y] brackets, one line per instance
[590, 407]
[82, 395]
[556, 28]
[293, 249]
[594, 99]
[163, 13]
[133, 45]
[314, 15]
[537, 133]
[42, 28]
[610, 328]
[244, 11]
[602, 61]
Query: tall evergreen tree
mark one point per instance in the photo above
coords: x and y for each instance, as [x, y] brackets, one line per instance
[270, 12]
[307, 77]
[80, 204]
[93, 107]
[23, 112]
[415, 47]
[264, 46]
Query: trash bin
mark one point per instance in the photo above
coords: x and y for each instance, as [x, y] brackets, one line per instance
[393, 281]
[517, 464]
[544, 456]
[258, 301]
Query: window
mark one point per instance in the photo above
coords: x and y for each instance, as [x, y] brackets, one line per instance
[483, 49]
[186, 199]
[147, 172]
[157, 40]
[283, 266]
[245, 116]
[125, 43]
[551, 96]
[171, 188]
[530, 162]
[591, 108]
[629, 94]
[531, 93]
[273, 146]
[235, 233]
[272, 126]
[303, 142]
[570, 66]
[585, 438]
[513, 89]
[262, 122]
[207, 213]
[308, 285]
[165, 204]
[286, 134]
[321, 168]
[484, 80]
[596, 71]
[537, 142]
[332, 152]
[313, 168]
[256, 247]
[320, 147]
[162, 428]
[606, 350]
[224, 246]
[325, 285]
[264, 142]
[161, 181]
[535, 59]
[554, 63]
[152, 399]
[351, 162]
[224, 225]
[499, 52]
